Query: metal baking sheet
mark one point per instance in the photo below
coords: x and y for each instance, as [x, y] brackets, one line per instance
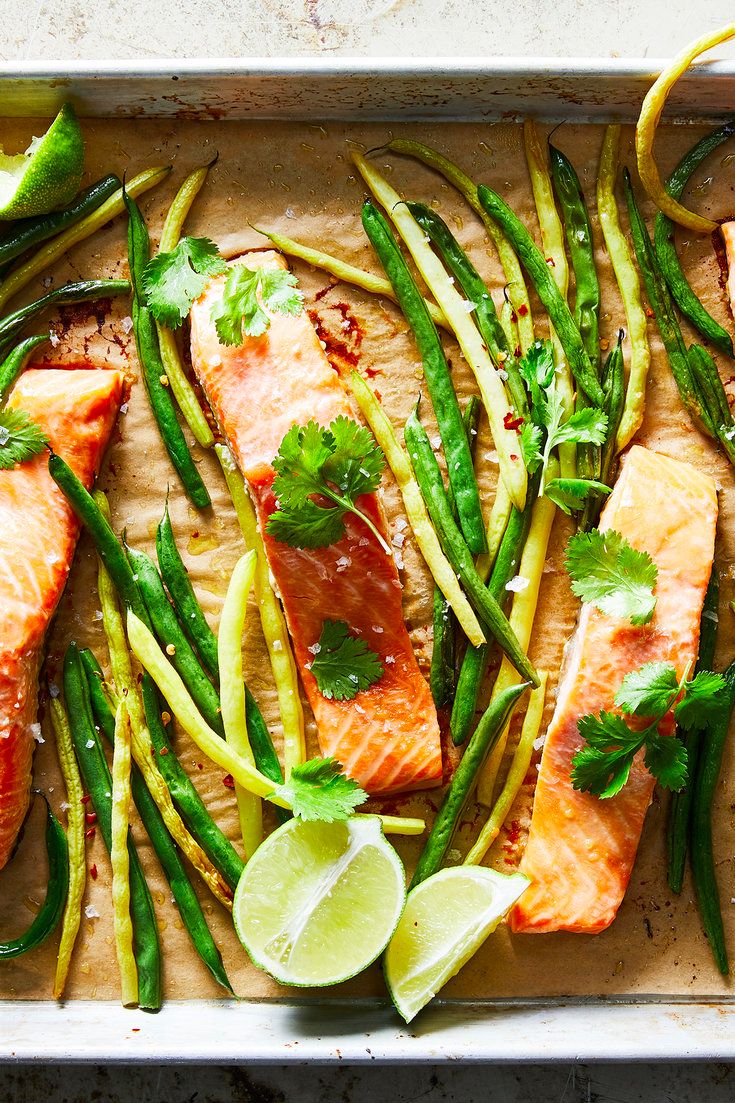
[278, 1031]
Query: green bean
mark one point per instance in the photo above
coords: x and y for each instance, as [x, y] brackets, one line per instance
[27, 232]
[104, 539]
[706, 378]
[154, 375]
[172, 638]
[15, 362]
[482, 742]
[182, 890]
[193, 811]
[613, 384]
[98, 783]
[438, 379]
[680, 809]
[189, 611]
[663, 309]
[434, 494]
[517, 295]
[701, 855]
[535, 264]
[578, 233]
[84, 291]
[475, 661]
[684, 297]
[194, 623]
[47, 919]
[443, 670]
[474, 287]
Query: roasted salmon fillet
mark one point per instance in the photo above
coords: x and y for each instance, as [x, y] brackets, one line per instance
[38, 534]
[728, 234]
[387, 737]
[581, 849]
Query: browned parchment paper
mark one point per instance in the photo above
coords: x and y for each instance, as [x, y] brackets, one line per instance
[299, 180]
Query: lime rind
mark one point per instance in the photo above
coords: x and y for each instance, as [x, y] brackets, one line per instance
[48, 174]
[318, 903]
[445, 921]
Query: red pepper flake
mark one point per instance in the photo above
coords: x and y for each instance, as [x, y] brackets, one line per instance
[90, 833]
[135, 1029]
[90, 817]
[93, 871]
[165, 718]
[200, 765]
[649, 312]
[163, 750]
[523, 310]
[513, 457]
[511, 422]
[517, 351]
[85, 799]
[514, 317]
[228, 781]
[551, 263]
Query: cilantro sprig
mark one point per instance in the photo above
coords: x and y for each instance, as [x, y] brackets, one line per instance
[343, 664]
[338, 464]
[247, 295]
[20, 438]
[569, 494]
[548, 429]
[612, 575]
[319, 790]
[603, 765]
[173, 281]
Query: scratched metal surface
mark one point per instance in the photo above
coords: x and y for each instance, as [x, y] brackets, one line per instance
[345, 1084]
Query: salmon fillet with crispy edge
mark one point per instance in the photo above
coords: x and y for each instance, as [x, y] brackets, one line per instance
[387, 737]
[38, 535]
[581, 849]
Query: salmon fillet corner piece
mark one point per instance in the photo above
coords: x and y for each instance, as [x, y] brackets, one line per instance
[581, 849]
[38, 534]
[386, 737]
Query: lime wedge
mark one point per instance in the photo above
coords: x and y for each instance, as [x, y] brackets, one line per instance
[48, 174]
[446, 920]
[318, 902]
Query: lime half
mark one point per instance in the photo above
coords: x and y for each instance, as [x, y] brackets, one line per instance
[446, 920]
[318, 902]
[48, 174]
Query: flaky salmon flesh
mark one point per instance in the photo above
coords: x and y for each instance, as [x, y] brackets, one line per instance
[38, 535]
[581, 849]
[387, 737]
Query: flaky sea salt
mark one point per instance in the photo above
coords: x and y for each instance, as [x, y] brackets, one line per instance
[91, 912]
[35, 730]
[127, 324]
[517, 584]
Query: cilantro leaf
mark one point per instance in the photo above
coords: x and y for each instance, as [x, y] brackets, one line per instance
[308, 527]
[648, 691]
[530, 439]
[703, 699]
[356, 464]
[247, 295]
[588, 426]
[20, 438]
[319, 790]
[343, 664]
[339, 464]
[607, 572]
[666, 758]
[603, 766]
[172, 281]
[537, 368]
[569, 494]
